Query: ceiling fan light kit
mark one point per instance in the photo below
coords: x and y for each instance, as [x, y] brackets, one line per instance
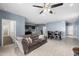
[47, 7]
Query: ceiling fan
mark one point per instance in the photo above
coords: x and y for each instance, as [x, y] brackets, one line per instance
[47, 7]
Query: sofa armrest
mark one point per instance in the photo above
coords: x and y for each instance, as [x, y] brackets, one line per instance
[25, 46]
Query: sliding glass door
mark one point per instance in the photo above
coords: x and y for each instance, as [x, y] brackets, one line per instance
[8, 30]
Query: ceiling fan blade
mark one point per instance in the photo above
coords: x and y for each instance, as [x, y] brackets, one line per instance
[37, 6]
[50, 12]
[56, 5]
[41, 11]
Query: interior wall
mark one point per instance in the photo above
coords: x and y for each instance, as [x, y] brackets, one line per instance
[57, 26]
[20, 22]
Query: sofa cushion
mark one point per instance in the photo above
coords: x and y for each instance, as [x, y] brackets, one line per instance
[34, 37]
[35, 42]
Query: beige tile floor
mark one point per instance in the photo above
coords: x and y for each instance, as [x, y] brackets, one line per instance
[51, 48]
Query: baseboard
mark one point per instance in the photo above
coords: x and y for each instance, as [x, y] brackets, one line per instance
[72, 36]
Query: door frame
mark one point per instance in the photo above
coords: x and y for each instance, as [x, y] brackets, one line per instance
[2, 30]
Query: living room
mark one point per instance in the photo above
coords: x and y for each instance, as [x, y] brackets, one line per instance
[50, 29]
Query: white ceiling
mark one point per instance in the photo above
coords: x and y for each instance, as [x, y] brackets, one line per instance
[65, 12]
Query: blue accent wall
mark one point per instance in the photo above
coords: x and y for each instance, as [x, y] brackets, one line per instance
[20, 22]
[57, 26]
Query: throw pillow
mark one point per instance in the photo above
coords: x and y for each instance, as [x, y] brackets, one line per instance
[30, 40]
[27, 40]
[41, 37]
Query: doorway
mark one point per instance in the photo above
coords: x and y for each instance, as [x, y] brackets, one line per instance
[70, 31]
[8, 30]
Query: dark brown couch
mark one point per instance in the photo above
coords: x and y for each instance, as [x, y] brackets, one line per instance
[36, 42]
